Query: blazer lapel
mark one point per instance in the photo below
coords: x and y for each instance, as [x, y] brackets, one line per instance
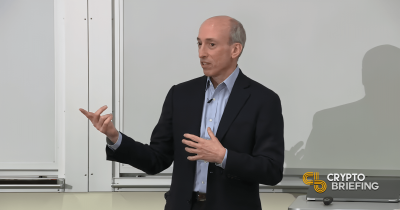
[196, 98]
[237, 99]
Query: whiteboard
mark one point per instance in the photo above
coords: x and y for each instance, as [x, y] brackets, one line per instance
[309, 52]
[27, 85]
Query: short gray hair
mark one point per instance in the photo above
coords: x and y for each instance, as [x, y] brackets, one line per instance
[237, 34]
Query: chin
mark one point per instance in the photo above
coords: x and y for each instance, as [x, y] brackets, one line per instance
[208, 72]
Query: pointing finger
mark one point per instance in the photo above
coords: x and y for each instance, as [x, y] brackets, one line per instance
[105, 124]
[195, 157]
[86, 113]
[99, 111]
[189, 143]
[191, 150]
[192, 137]
[96, 116]
[210, 133]
[102, 119]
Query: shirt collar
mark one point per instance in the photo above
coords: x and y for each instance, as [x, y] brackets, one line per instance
[229, 82]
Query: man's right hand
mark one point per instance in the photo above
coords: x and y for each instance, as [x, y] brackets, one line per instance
[102, 123]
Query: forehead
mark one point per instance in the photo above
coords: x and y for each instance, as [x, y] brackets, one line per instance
[216, 29]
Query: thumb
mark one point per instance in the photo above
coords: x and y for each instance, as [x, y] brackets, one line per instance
[211, 134]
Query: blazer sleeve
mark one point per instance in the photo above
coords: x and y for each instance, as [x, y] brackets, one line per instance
[265, 164]
[153, 158]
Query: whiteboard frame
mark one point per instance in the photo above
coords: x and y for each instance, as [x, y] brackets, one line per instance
[48, 168]
[118, 49]
[119, 110]
[100, 88]
[77, 96]
[71, 84]
[119, 85]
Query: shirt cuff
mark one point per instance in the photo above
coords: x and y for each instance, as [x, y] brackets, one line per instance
[222, 165]
[115, 146]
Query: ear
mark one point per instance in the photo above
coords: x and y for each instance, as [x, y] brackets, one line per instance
[236, 50]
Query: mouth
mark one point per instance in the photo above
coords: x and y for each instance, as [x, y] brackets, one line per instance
[204, 64]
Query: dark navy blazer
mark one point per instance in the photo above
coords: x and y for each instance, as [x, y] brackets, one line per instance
[251, 129]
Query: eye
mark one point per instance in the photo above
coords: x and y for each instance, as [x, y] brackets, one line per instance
[198, 43]
[212, 44]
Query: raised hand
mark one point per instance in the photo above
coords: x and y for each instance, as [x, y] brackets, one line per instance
[207, 150]
[102, 123]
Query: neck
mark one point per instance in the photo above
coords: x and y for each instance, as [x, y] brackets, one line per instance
[216, 80]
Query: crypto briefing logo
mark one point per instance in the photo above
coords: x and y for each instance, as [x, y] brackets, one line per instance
[319, 185]
[339, 181]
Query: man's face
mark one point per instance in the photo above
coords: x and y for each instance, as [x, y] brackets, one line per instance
[215, 53]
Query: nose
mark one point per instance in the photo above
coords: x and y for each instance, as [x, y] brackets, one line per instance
[202, 51]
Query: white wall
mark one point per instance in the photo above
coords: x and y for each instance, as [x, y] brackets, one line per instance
[309, 52]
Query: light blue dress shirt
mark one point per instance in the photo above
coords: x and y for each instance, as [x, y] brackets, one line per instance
[211, 117]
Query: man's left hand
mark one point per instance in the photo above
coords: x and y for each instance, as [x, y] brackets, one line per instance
[208, 150]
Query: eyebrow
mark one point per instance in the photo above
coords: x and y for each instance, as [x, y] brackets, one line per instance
[208, 39]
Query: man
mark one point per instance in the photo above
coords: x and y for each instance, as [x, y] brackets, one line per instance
[223, 130]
